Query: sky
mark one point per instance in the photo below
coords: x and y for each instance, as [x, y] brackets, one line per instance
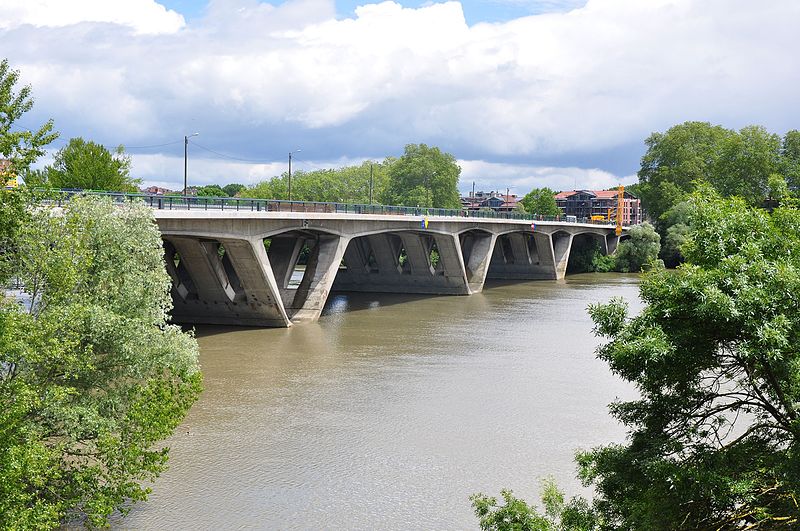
[524, 93]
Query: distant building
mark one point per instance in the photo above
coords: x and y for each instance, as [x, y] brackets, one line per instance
[494, 200]
[155, 190]
[588, 203]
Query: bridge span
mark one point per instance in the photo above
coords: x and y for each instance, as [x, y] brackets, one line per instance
[235, 267]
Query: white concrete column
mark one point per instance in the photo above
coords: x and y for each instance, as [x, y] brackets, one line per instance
[321, 270]
[477, 259]
[261, 291]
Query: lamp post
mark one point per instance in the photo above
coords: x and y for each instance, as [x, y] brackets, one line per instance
[290, 171]
[186, 163]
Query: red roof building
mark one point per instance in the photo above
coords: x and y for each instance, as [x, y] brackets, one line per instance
[583, 204]
[495, 200]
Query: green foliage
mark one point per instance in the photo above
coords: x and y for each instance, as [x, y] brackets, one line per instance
[232, 189]
[212, 190]
[746, 160]
[423, 176]
[91, 374]
[777, 188]
[13, 216]
[676, 221]
[750, 163]
[343, 185]
[676, 160]
[35, 178]
[90, 166]
[639, 250]
[790, 159]
[714, 437]
[21, 147]
[541, 201]
[602, 263]
[516, 515]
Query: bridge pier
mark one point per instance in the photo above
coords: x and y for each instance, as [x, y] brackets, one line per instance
[401, 263]
[223, 272]
[321, 268]
[528, 256]
[235, 286]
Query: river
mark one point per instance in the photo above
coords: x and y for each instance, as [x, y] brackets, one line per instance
[391, 410]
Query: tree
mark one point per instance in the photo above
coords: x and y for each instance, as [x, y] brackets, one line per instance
[21, 147]
[517, 515]
[639, 250]
[13, 216]
[234, 188]
[777, 188]
[423, 176]
[676, 161]
[676, 220]
[746, 160]
[90, 166]
[541, 202]
[91, 374]
[349, 184]
[212, 190]
[715, 434]
[790, 159]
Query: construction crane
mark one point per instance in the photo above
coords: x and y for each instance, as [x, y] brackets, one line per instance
[619, 210]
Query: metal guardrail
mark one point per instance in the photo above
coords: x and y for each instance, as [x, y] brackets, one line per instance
[179, 202]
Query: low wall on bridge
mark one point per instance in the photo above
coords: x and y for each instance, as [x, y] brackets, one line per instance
[237, 267]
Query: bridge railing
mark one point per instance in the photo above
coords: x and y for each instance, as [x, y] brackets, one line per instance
[179, 202]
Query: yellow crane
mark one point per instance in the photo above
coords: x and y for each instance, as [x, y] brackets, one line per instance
[618, 211]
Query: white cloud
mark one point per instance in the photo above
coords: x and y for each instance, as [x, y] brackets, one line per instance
[144, 16]
[257, 80]
[520, 179]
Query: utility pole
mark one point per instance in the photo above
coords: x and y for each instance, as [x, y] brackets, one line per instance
[472, 197]
[371, 183]
[186, 163]
[290, 171]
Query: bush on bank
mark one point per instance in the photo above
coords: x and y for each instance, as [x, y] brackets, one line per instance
[714, 439]
[91, 374]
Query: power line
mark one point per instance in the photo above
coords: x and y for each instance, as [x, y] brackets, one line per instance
[263, 161]
[151, 146]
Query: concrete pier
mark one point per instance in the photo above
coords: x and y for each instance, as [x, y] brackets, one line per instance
[236, 267]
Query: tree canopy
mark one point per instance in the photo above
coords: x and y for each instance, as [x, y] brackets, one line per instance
[640, 249]
[90, 166]
[423, 176]
[735, 163]
[714, 438]
[541, 201]
[20, 146]
[211, 190]
[349, 184]
[91, 374]
[234, 188]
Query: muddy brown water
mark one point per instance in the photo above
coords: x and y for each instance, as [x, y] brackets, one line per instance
[391, 410]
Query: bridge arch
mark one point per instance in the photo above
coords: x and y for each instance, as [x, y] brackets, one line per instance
[403, 260]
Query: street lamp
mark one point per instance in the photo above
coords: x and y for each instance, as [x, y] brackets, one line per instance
[186, 163]
[290, 171]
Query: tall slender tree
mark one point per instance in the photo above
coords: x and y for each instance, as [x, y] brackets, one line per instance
[21, 146]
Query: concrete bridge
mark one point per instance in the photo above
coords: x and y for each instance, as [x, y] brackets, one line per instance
[235, 267]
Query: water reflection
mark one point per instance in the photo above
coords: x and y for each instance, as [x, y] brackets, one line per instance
[391, 410]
